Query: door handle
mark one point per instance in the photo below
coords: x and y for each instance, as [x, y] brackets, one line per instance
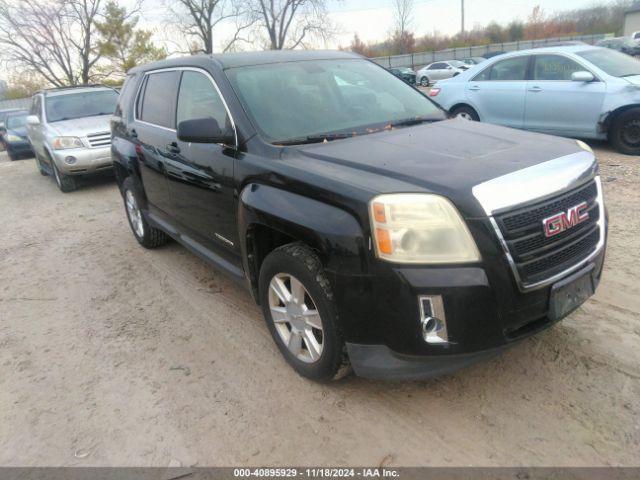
[173, 148]
[535, 89]
[474, 87]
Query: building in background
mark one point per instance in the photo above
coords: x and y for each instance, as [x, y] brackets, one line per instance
[632, 20]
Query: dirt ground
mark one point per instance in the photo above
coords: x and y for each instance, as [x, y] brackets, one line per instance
[114, 355]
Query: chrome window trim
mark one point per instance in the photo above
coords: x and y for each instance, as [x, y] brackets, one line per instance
[180, 69]
[546, 179]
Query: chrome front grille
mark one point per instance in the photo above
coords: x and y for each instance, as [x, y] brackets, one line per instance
[101, 139]
[536, 258]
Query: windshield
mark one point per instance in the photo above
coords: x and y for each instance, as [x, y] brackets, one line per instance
[296, 100]
[614, 63]
[79, 105]
[16, 121]
[457, 63]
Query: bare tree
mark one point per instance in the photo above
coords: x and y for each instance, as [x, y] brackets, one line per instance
[290, 23]
[53, 38]
[201, 17]
[403, 13]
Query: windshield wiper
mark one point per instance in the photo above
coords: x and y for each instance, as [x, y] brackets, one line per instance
[412, 121]
[327, 137]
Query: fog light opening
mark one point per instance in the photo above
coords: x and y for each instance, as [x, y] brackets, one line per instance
[432, 319]
[70, 160]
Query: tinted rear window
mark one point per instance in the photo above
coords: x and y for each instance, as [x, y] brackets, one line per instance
[159, 98]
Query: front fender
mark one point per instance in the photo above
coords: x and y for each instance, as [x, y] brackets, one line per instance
[333, 232]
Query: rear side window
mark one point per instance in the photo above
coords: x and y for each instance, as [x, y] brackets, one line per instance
[126, 95]
[554, 67]
[438, 66]
[157, 105]
[198, 98]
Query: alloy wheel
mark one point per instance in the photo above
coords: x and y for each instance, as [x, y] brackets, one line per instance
[296, 317]
[134, 214]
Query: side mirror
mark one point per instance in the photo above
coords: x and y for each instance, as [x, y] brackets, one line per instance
[582, 77]
[33, 120]
[204, 130]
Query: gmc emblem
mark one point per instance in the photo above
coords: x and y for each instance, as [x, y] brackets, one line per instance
[562, 221]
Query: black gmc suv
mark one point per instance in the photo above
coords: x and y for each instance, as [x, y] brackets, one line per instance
[373, 231]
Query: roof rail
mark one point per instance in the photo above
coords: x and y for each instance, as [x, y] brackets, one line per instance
[44, 91]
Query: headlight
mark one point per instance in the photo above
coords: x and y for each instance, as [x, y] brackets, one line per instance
[12, 138]
[420, 228]
[63, 143]
[584, 146]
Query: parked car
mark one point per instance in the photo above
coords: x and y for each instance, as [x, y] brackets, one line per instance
[370, 229]
[621, 44]
[3, 115]
[14, 135]
[69, 131]
[471, 61]
[579, 91]
[440, 70]
[406, 74]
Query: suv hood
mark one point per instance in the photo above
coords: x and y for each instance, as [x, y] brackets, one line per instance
[81, 127]
[448, 158]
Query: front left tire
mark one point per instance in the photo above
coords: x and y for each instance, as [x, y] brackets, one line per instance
[66, 183]
[297, 304]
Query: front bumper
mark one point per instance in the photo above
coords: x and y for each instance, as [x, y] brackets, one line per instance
[19, 148]
[380, 362]
[485, 313]
[87, 160]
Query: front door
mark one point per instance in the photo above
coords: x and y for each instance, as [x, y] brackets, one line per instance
[556, 104]
[497, 93]
[201, 175]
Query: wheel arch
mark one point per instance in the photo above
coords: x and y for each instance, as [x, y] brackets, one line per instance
[269, 217]
[609, 117]
[465, 104]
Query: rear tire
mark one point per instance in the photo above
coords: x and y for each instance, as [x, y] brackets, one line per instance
[66, 183]
[624, 134]
[295, 290]
[465, 112]
[146, 235]
[424, 81]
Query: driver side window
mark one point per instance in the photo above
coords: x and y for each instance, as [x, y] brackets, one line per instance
[198, 98]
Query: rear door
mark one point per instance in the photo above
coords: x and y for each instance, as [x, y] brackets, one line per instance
[154, 128]
[556, 104]
[498, 92]
[201, 175]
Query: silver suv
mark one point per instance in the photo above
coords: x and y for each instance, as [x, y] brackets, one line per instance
[69, 131]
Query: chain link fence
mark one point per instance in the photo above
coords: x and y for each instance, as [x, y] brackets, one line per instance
[418, 60]
[15, 103]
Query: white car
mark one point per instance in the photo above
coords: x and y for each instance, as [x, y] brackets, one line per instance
[439, 71]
